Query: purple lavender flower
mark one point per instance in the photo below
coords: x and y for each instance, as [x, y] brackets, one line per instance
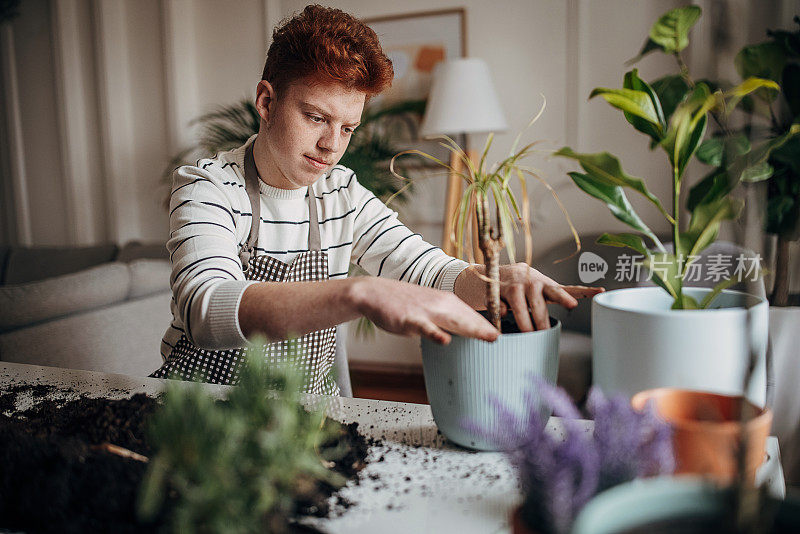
[559, 476]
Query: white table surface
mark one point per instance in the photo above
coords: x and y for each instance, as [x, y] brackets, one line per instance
[414, 480]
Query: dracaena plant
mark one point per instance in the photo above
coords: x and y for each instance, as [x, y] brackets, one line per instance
[561, 473]
[240, 465]
[674, 113]
[487, 190]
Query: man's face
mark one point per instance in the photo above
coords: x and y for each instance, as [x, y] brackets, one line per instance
[304, 130]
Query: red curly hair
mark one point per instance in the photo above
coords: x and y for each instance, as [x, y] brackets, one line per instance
[328, 44]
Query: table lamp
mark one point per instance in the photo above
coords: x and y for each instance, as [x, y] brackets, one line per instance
[462, 101]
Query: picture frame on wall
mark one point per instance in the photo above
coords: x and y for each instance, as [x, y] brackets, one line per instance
[416, 42]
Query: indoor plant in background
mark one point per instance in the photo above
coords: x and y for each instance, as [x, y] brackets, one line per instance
[461, 377]
[561, 472]
[694, 338]
[773, 115]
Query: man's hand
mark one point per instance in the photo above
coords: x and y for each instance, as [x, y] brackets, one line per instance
[409, 309]
[523, 289]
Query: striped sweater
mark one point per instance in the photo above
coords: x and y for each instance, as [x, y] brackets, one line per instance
[210, 219]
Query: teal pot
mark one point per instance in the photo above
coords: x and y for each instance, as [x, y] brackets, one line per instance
[688, 505]
[639, 343]
[462, 378]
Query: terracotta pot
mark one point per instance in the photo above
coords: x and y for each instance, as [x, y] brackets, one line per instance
[707, 430]
[518, 526]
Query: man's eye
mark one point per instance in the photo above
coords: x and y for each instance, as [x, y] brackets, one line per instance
[316, 118]
[349, 131]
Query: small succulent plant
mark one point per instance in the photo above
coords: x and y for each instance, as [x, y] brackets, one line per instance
[559, 475]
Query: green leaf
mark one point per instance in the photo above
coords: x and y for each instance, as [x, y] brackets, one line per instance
[763, 60]
[716, 149]
[614, 197]
[687, 127]
[671, 30]
[631, 241]
[757, 173]
[632, 102]
[751, 163]
[671, 90]
[664, 270]
[655, 131]
[724, 284]
[713, 186]
[648, 46]
[766, 89]
[685, 302]
[605, 168]
[705, 221]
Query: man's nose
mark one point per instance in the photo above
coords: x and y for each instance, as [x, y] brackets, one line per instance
[329, 140]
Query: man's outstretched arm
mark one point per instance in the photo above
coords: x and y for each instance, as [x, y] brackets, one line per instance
[280, 309]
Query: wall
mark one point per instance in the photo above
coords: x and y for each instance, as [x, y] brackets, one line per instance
[98, 95]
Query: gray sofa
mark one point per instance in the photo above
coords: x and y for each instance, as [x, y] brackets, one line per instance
[101, 308]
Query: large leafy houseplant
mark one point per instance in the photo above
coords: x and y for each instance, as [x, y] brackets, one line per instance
[674, 113]
[771, 116]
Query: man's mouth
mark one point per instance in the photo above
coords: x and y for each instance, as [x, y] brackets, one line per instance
[318, 163]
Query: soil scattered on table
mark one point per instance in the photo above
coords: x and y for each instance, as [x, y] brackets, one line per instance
[56, 476]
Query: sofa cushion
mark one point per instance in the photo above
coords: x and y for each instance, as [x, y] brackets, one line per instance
[28, 264]
[124, 338]
[148, 276]
[135, 250]
[34, 302]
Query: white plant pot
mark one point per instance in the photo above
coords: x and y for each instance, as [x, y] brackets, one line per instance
[639, 343]
[784, 336]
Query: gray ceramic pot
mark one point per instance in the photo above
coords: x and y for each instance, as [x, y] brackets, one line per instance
[461, 379]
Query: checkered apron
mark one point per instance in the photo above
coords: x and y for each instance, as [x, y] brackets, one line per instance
[312, 354]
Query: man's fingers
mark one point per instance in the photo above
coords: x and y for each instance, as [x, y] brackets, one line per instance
[538, 307]
[472, 326]
[559, 295]
[582, 292]
[519, 306]
[434, 333]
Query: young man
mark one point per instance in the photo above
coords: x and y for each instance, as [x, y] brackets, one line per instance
[262, 236]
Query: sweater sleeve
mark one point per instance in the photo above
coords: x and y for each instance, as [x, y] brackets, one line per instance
[384, 246]
[207, 280]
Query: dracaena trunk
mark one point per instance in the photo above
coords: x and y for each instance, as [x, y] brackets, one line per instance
[490, 247]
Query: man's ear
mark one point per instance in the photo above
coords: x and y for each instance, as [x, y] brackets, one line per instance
[265, 99]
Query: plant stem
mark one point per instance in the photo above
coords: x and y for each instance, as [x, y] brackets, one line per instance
[120, 451]
[676, 198]
[780, 289]
[488, 244]
[684, 70]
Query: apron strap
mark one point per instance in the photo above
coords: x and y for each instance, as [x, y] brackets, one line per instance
[314, 242]
[251, 185]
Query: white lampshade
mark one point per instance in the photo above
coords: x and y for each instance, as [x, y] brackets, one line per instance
[462, 100]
